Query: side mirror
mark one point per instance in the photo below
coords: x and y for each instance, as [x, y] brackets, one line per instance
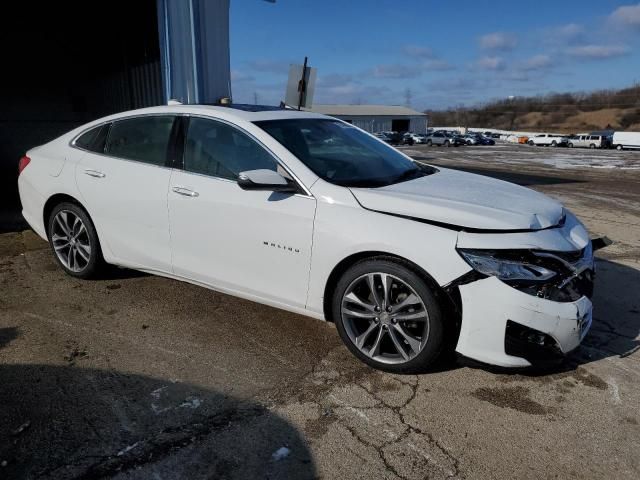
[264, 179]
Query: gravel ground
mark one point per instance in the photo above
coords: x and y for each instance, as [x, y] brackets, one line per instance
[142, 377]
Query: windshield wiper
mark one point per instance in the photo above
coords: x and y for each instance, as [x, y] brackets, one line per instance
[408, 175]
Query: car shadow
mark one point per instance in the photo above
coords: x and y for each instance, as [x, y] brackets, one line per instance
[7, 335]
[68, 422]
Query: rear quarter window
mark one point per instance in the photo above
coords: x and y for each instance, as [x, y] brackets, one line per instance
[94, 139]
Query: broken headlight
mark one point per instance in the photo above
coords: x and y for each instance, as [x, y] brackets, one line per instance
[508, 266]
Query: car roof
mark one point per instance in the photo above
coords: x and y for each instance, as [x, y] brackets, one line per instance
[249, 113]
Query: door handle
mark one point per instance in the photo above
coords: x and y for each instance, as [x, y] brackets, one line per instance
[94, 173]
[185, 191]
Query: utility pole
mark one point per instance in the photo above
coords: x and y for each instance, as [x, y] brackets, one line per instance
[408, 95]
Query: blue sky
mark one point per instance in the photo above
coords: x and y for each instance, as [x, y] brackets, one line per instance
[446, 53]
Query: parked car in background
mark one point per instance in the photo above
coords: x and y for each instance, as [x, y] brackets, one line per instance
[548, 140]
[411, 138]
[585, 140]
[624, 140]
[444, 139]
[471, 139]
[477, 139]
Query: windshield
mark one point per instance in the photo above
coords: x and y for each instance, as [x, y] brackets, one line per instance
[342, 154]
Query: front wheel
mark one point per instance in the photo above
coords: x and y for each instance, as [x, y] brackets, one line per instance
[388, 316]
[531, 143]
[554, 144]
[570, 145]
[74, 241]
[447, 143]
[429, 143]
[619, 147]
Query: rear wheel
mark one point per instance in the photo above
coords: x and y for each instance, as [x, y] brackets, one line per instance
[429, 143]
[74, 241]
[388, 316]
[554, 144]
[570, 145]
[447, 143]
[592, 146]
[619, 147]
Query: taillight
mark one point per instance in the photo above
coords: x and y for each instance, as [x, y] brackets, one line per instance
[24, 161]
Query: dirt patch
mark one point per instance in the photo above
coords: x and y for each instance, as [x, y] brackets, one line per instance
[516, 398]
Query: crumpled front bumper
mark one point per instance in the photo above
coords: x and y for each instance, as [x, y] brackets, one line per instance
[489, 305]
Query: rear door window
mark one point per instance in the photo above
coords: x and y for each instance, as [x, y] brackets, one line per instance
[144, 139]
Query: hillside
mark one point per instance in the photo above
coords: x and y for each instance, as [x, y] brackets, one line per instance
[565, 112]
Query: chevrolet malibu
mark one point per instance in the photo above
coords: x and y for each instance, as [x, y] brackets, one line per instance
[310, 214]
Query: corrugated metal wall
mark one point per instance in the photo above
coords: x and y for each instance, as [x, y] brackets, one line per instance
[383, 124]
[139, 87]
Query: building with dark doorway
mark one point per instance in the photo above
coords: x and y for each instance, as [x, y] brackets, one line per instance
[377, 118]
[67, 63]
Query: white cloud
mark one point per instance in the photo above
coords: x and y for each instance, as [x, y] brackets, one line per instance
[628, 15]
[490, 63]
[238, 76]
[417, 51]
[568, 31]
[438, 66]
[537, 62]
[498, 41]
[396, 71]
[598, 51]
[270, 66]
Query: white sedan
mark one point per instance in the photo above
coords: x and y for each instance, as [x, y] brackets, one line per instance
[313, 215]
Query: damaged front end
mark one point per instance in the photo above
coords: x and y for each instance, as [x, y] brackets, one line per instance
[525, 305]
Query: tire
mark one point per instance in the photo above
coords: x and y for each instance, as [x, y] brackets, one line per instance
[619, 147]
[570, 145]
[554, 144]
[360, 318]
[429, 143]
[531, 143]
[81, 257]
[592, 146]
[447, 143]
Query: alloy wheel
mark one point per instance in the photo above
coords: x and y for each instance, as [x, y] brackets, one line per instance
[71, 241]
[385, 318]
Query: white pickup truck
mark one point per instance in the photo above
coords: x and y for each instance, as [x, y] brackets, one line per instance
[624, 140]
[548, 139]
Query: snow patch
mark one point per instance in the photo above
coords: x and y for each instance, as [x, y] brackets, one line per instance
[280, 454]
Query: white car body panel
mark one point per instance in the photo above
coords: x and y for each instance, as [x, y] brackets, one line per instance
[281, 249]
[128, 200]
[489, 304]
[464, 199]
[256, 241]
[570, 237]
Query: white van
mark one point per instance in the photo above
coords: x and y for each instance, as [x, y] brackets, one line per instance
[622, 140]
[585, 140]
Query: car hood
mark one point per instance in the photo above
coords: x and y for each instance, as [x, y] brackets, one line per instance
[464, 200]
